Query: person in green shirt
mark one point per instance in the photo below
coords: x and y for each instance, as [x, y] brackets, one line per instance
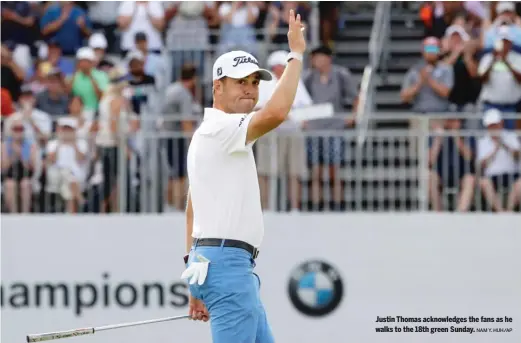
[87, 82]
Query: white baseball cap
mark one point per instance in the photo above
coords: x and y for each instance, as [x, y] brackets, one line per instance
[492, 116]
[238, 64]
[505, 6]
[85, 53]
[459, 30]
[98, 41]
[68, 121]
[276, 58]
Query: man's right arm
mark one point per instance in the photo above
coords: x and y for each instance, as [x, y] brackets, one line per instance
[278, 107]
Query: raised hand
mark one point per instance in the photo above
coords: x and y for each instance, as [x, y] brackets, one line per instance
[296, 40]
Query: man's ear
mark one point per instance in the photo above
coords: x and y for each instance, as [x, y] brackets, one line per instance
[217, 86]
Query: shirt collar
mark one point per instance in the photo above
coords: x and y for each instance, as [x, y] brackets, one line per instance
[210, 112]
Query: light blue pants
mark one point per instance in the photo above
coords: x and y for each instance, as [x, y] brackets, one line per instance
[231, 295]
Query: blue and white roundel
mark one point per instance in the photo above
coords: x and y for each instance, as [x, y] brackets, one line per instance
[315, 289]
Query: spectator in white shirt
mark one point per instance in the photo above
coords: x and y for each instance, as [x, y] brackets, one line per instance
[141, 16]
[38, 124]
[500, 72]
[237, 26]
[66, 161]
[499, 155]
[289, 146]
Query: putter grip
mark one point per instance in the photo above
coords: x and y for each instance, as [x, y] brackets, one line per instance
[59, 334]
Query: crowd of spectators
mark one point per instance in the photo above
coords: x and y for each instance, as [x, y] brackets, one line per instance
[75, 75]
[471, 63]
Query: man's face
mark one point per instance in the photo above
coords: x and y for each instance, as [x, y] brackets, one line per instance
[238, 95]
[431, 53]
[142, 45]
[455, 40]
[100, 53]
[321, 61]
[137, 67]
[84, 65]
[75, 106]
[54, 53]
[27, 100]
[53, 84]
[508, 17]
[495, 127]
[67, 133]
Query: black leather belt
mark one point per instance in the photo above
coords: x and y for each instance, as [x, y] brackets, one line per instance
[231, 243]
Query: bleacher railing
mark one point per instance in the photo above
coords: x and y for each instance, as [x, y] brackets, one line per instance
[308, 170]
[378, 42]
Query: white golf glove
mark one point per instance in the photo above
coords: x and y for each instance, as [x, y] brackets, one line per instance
[197, 271]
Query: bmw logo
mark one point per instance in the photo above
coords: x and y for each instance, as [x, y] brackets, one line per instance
[315, 288]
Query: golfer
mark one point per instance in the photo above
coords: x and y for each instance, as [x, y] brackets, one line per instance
[224, 217]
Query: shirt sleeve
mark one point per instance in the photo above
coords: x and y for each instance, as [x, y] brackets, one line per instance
[351, 88]
[156, 9]
[409, 79]
[482, 149]
[447, 77]
[82, 145]
[49, 16]
[126, 8]
[224, 9]
[512, 141]
[302, 98]
[51, 146]
[234, 131]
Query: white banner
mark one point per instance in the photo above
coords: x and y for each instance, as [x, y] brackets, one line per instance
[325, 278]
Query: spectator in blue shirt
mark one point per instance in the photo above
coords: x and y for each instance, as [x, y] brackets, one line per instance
[55, 61]
[68, 24]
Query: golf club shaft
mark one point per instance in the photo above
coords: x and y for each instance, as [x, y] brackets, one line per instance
[90, 331]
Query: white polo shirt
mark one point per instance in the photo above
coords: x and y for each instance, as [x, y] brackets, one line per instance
[223, 179]
[503, 162]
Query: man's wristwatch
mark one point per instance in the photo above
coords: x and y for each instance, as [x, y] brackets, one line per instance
[294, 55]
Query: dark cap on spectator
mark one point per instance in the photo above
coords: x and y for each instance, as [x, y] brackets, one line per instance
[322, 50]
[140, 36]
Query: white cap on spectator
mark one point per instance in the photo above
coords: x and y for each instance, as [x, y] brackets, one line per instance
[505, 6]
[492, 116]
[238, 64]
[68, 121]
[278, 58]
[86, 53]
[135, 55]
[98, 41]
[459, 30]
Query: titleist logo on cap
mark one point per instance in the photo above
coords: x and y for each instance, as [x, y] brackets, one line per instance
[244, 59]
